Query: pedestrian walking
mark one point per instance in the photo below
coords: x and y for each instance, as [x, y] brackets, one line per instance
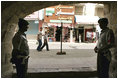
[39, 39]
[45, 42]
[105, 42]
[20, 52]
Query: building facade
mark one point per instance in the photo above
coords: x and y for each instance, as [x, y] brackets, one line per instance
[79, 23]
[57, 16]
[87, 16]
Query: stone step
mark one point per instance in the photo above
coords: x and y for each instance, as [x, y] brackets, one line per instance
[60, 73]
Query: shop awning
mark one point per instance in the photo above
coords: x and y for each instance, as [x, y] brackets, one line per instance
[86, 19]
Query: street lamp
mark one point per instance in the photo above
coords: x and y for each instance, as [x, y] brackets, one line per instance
[61, 52]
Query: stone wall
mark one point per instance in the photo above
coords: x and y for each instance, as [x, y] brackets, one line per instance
[111, 14]
[6, 46]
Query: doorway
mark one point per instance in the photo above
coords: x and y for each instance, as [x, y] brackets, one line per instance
[81, 34]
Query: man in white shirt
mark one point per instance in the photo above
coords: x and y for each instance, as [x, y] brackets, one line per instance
[45, 42]
[20, 52]
[105, 42]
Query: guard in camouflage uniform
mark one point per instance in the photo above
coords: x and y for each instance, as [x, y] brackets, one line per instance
[105, 42]
[20, 52]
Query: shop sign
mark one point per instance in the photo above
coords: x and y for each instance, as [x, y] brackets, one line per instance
[64, 13]
[59, 21]
[49, 11]
[60, 7]
[59, 24]
[36, 22]
[86, 19]
[68, 18]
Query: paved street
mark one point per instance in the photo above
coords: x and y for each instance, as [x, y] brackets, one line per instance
[79, 57]
[65, 45]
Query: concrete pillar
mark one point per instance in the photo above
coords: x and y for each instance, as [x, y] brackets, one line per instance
[71, 36]
[77, 35]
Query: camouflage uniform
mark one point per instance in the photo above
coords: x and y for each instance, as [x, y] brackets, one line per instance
[20, 53]
[105, 42]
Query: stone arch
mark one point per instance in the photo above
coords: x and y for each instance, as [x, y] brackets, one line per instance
[12, 10]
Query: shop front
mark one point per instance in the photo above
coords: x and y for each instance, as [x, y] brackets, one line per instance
[90, 35]
[54, 31]
[85, 28]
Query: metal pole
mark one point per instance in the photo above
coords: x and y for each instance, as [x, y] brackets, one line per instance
[61, 37]
[61, 52]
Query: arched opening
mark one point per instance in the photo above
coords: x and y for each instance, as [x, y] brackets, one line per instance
[77, 54]
[7, 31]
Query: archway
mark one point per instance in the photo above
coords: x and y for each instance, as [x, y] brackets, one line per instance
[11, 11]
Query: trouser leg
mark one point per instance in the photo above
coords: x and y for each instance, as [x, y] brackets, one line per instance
[43, 46]
[39, 46]
[47, 47]
[21, 69]
[102, 67]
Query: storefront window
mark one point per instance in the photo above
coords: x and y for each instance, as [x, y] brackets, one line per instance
[50, 32]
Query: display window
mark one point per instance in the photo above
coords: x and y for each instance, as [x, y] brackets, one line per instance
[51, 34]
